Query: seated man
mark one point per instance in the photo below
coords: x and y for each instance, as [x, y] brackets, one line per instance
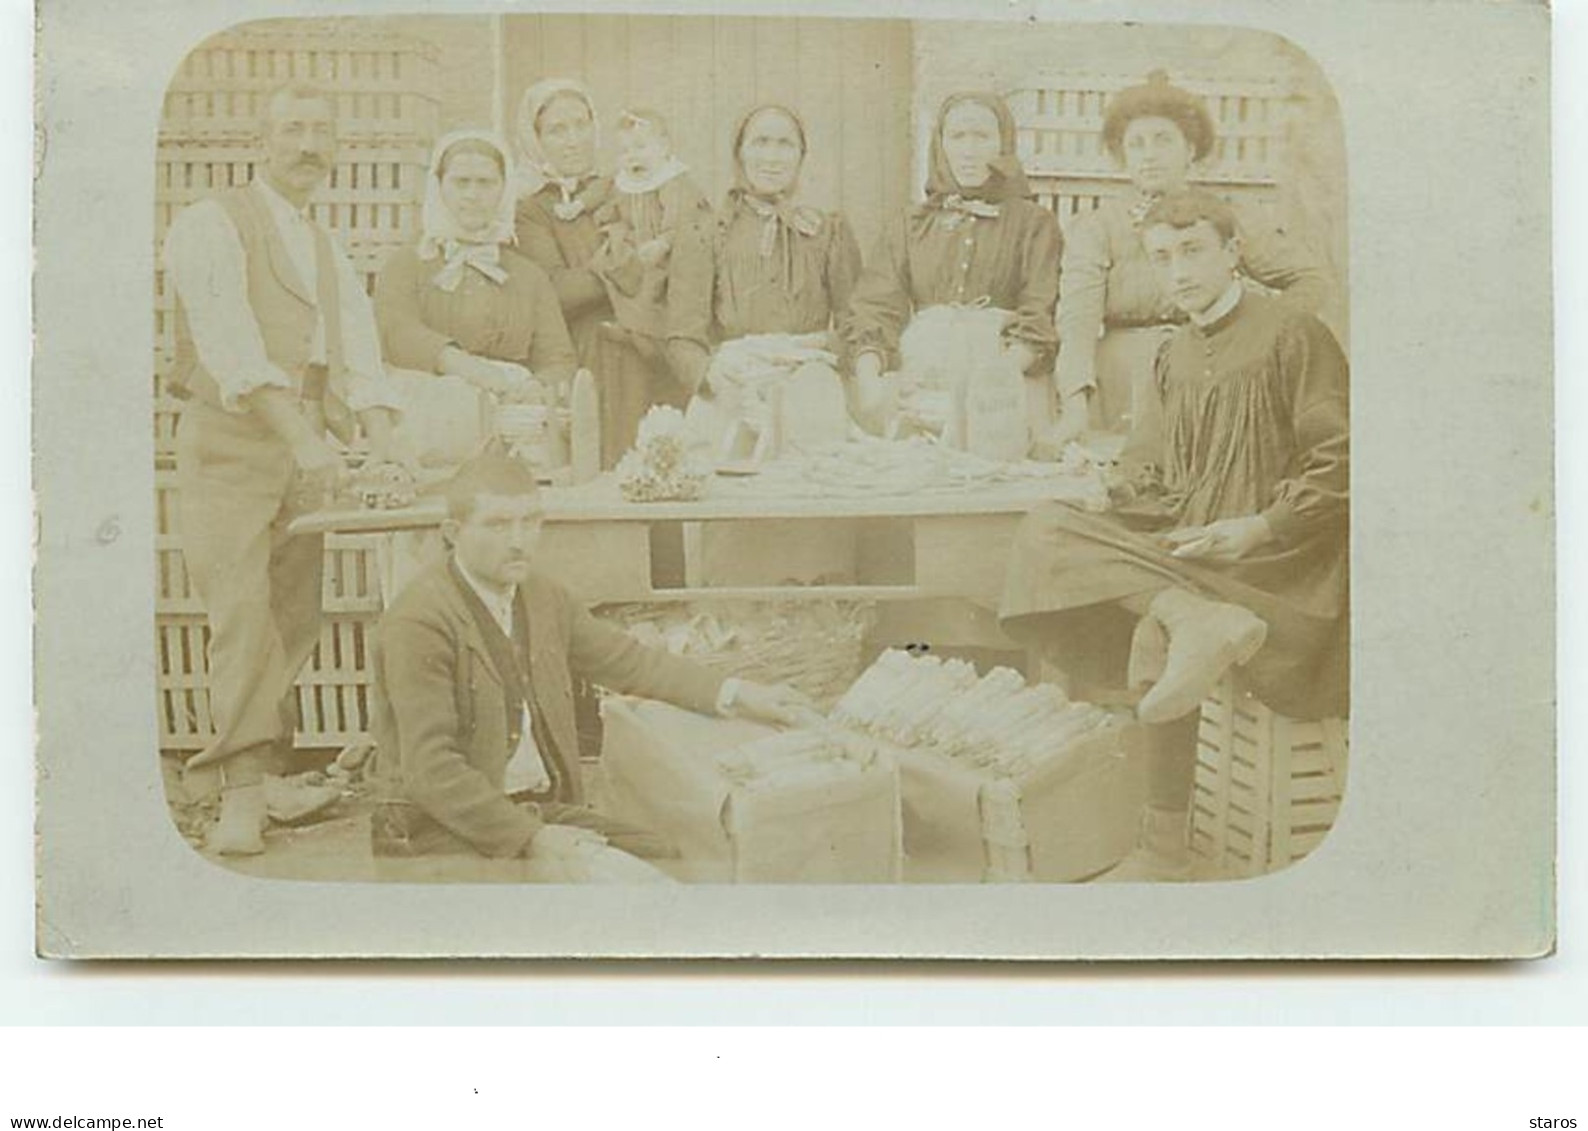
[474, 709]
[1227, 540]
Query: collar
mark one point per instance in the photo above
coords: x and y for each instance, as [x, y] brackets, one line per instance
[278, 204]
[668, 170]
[1221, 307]
[498, 601]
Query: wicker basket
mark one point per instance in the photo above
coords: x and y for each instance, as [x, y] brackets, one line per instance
[1267, 788]
[814, 646]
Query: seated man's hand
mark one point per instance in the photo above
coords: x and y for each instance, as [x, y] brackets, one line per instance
[565, 840]
[775, 703]
[1227, 540]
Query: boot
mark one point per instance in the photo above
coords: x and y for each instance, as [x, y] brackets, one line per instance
[240, 828]
[1162, 853]
[1206, 639]
[1149, 654]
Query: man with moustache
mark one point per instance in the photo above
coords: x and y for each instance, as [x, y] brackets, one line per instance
[477, 754]
[1226, 544]
[277, 352]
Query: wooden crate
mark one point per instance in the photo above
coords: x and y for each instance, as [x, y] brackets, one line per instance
[1267, 787]
[1070, 819]
[658, 773]
[333, 690]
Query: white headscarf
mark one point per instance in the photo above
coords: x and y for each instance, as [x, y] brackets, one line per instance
[534, 171]
[444, 239]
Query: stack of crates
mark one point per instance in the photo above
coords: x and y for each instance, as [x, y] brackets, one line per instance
[1267, 787]
[388, 116]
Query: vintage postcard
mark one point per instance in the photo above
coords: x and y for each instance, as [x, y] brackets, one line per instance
[1025, 482]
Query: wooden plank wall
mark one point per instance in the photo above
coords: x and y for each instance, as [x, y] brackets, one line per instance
[849, 79]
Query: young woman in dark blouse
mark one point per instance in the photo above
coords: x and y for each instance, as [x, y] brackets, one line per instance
[978, 238]
[462, 314]
[764, 264]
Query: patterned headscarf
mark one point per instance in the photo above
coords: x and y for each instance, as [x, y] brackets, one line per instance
[442, 238]
[535, 172]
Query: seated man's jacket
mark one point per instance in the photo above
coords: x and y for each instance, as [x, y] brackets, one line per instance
[445, 722]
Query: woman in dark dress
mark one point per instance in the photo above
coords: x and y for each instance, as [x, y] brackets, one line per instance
[765, 264]
[463, 317]
[978, 239]
[563, 204]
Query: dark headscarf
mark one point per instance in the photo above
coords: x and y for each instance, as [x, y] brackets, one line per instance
[1006, 179]
[782, 221]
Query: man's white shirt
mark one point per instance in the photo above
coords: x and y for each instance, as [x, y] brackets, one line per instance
[206, 265]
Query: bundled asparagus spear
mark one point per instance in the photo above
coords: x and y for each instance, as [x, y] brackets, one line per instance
[996, 722]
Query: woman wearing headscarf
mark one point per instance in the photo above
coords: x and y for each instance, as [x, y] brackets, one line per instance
[1113, 311]
[765, 264]
[753, 300]
[462, 312]
[560, 194]
[978, 239]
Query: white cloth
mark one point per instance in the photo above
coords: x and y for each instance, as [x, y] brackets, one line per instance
[526, 769]
[204, 258]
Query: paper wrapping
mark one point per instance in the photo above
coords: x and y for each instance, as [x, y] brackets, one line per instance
[660, 775]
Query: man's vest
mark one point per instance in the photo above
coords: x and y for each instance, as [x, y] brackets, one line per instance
[283, 305]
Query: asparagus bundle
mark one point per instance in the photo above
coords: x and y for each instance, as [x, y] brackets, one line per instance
[996, 722]
[796, 758]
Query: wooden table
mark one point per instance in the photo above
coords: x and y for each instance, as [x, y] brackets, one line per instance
[944, 570]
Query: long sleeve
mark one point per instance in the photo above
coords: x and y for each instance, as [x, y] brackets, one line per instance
[419, 664]
[1271, 257]
[606, 655]
[881, 303]
[1040, 253]
[551, 352]
[1083, 293]
[578, 288]
[409, 343]
[1316, 493]
[205, 260]
[843, 267]
[692, 283]
[365, 383]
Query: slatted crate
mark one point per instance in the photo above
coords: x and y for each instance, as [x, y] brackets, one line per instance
[334, 687]
[1267, 787]
[1059, 126]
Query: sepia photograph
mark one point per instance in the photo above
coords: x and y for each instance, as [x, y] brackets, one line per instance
[641, 449]
[735, 481]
